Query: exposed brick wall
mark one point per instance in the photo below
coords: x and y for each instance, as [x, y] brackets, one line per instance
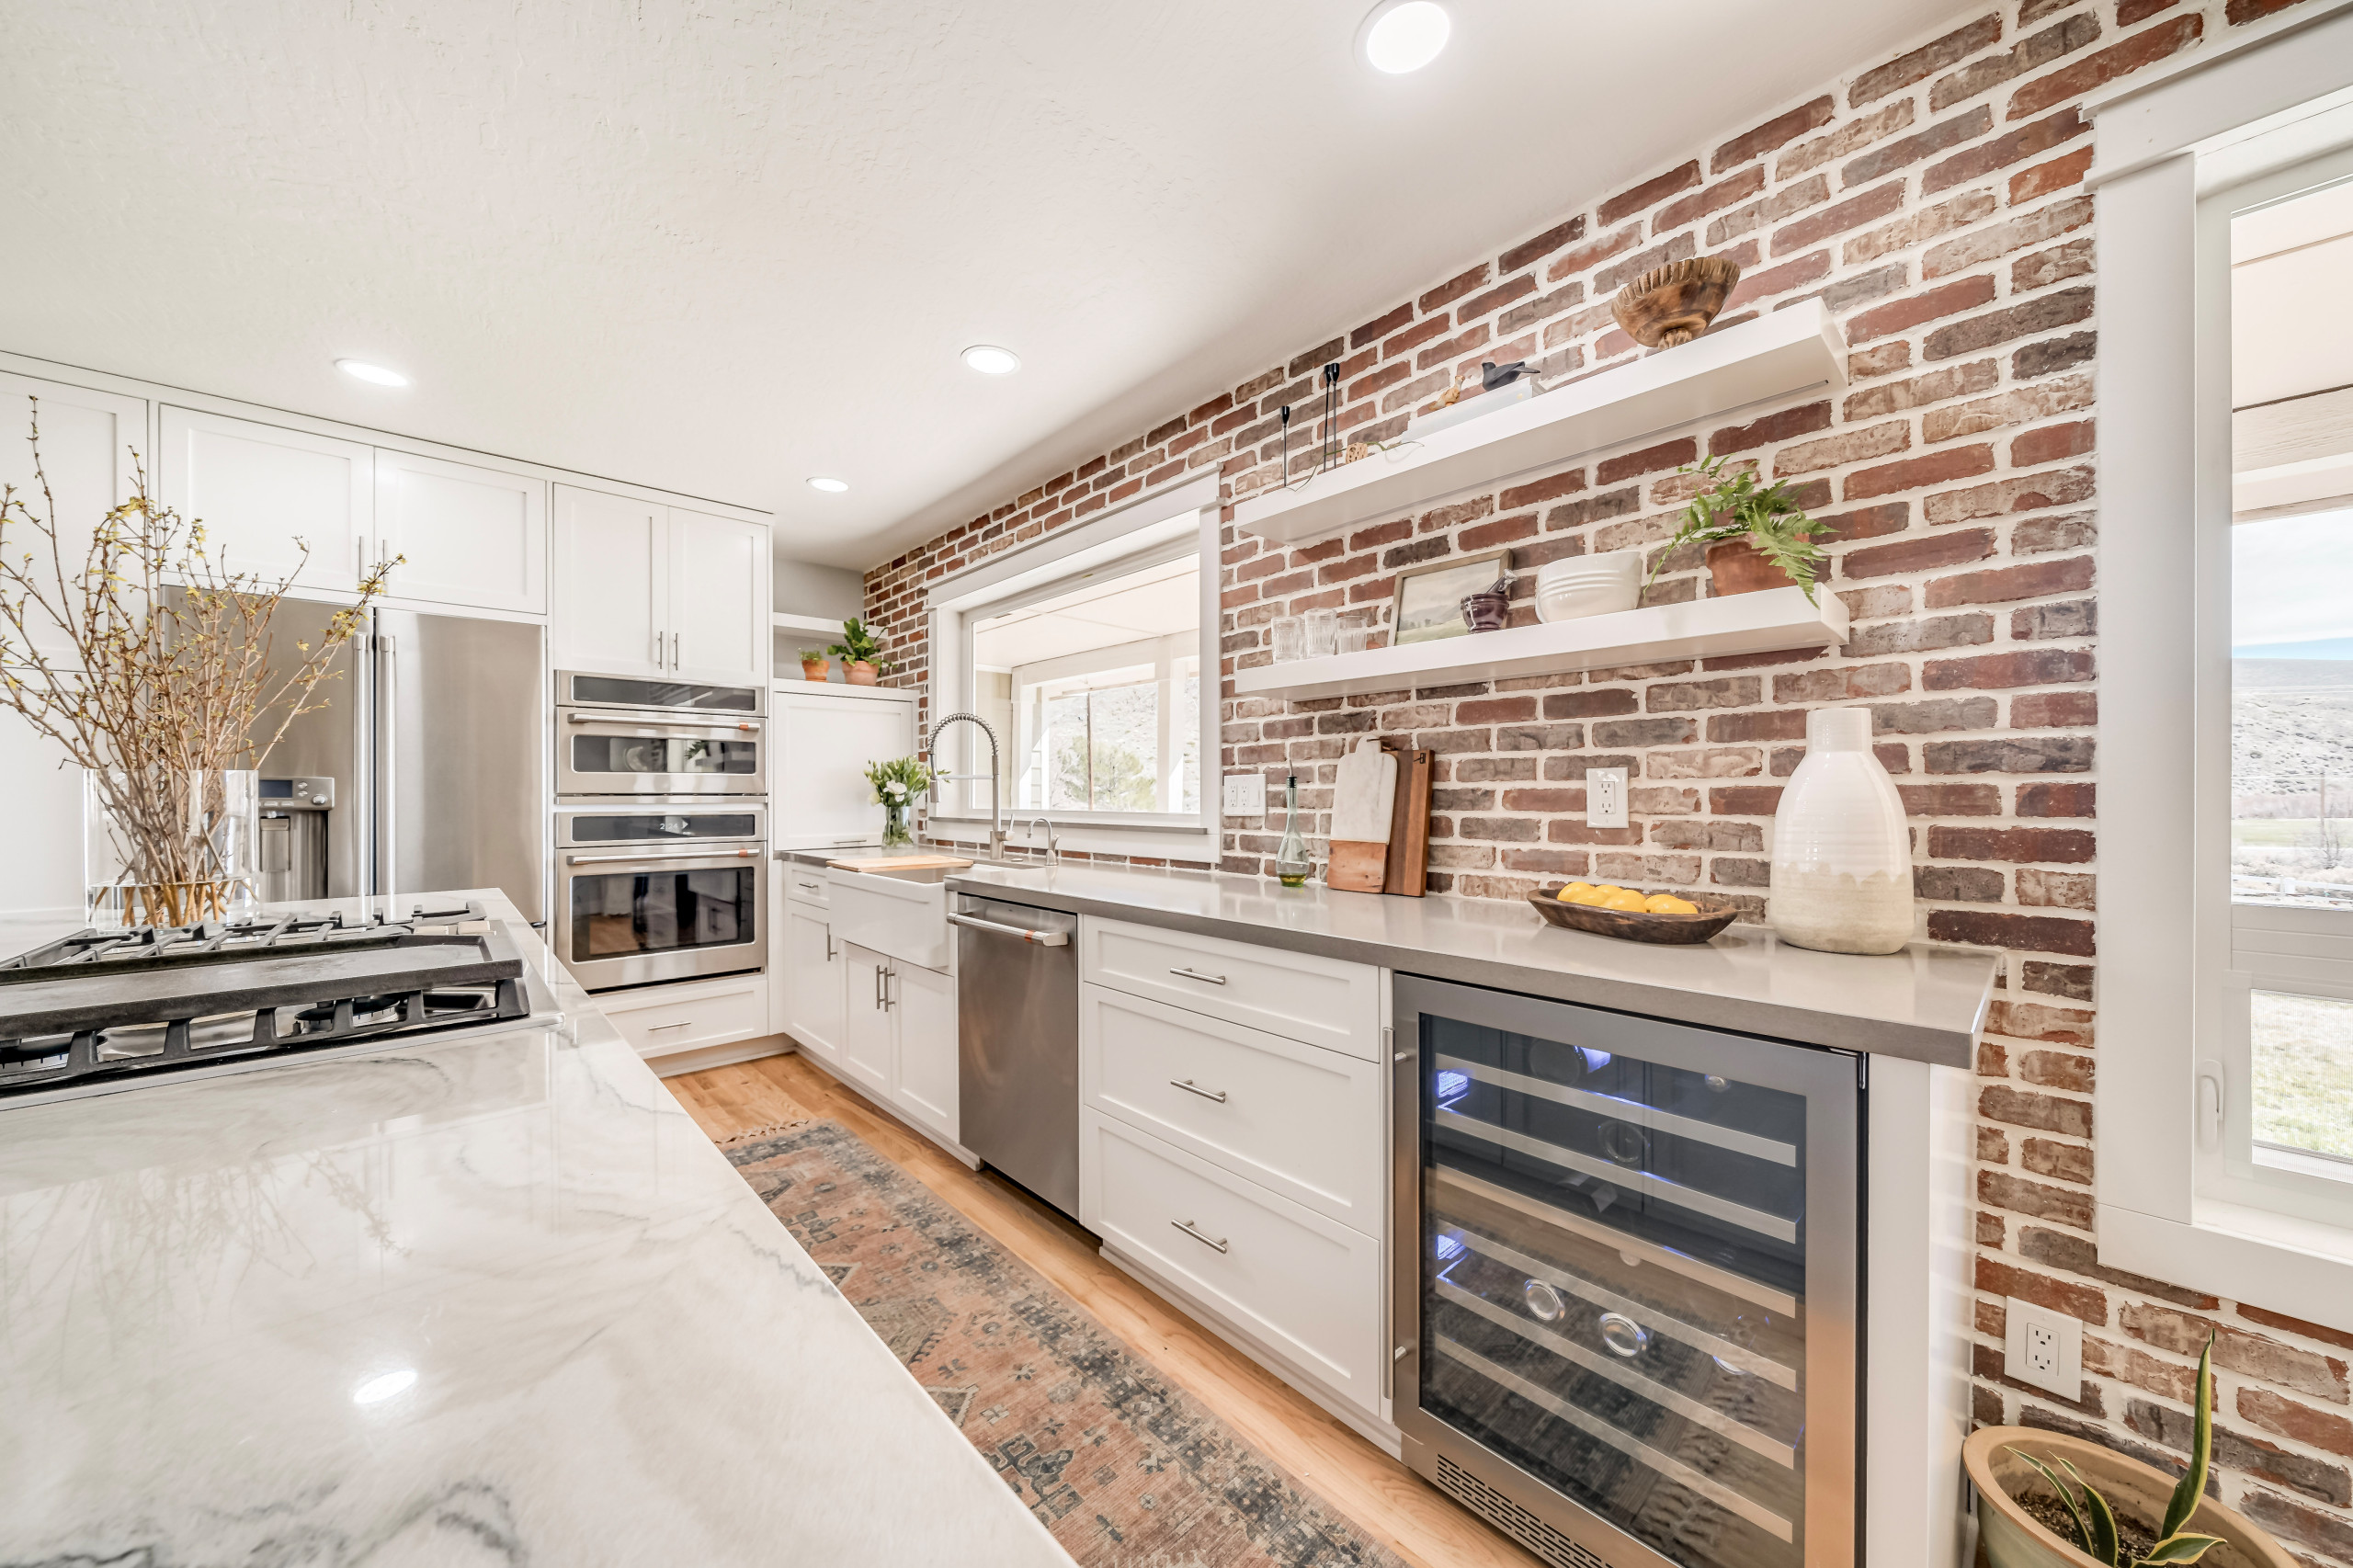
[1934, 201]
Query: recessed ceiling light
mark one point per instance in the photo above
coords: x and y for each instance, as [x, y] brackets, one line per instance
[374, 374]
[1399, 36]
[991, 360]
[375, 1390]
[827, 483]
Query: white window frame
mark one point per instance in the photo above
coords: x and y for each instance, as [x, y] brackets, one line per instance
[2169, 1203]
[1153, 526]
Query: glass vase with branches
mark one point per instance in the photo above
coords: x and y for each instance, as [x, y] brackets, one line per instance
[151, 667]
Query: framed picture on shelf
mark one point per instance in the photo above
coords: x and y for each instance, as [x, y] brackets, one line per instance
[1429, 601]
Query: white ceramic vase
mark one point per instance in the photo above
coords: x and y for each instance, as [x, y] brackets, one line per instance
[1842, 853]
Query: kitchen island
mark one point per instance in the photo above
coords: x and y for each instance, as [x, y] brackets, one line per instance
[492, 1299]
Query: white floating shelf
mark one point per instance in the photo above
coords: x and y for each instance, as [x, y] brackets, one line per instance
[784, 620]
[1774, 620]
[1773, 358]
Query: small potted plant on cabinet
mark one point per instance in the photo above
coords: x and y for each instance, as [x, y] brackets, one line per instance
[1758, 536]
[815, 663]
[861, 654]
[2075, 1503]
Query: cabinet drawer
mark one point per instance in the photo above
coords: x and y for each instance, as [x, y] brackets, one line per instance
[1306, 1287]
[1300, 1120]
[804, 884]
[714, 1013]
[1298, 996]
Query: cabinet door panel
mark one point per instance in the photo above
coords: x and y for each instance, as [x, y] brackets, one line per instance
[719, 573]
[613, 584]
[811, 1013]
[816, 772]
[471, 536]
[866, 1034]
[86, 439]
[265, 493]
[923, 1001]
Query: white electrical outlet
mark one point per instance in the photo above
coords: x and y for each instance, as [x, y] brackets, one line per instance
[1605, 796]
[2044, 1347]
[1246, 794]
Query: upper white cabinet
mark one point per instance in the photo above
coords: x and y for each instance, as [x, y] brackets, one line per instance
[613, 584]
[469, 536]
[86, 441]
[641, 588]
[720, 574]
[820, 740]
[264, 494]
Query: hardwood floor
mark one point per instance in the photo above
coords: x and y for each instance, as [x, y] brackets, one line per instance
[1381, 1495]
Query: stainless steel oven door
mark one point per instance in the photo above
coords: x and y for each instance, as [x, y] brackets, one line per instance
[640, 916]
[613, 825]
[575, 689]
[603, 752]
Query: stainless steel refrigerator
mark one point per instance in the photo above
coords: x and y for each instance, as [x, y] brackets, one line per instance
[421, 767]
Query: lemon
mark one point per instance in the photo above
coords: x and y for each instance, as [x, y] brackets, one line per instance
[1668, 903]
[1573, 893]
[1621, 899]
[1590, 896]
[1606, 889]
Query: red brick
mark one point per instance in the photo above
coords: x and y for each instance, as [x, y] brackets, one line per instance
[2131, 11]
[1994, 672]
[1951, 799]
[2030, 54]
[1909, 311]
[2026, 141]
[1650, 460]
[1380, 327]
[2025, 933]
[2054, 711]
[1495, 298]
[2295, 1420]
[1851, 213]
[2059, 174]
[2145, 47]
[1924, 554]
[2000, 239]
[1852, 445]
[2281, 1320]
[1890, 157]
[2238, 12]
[1551, 240]
[2086, 1301]
[1711, 198]
[2063, 846]
[1745, 800]
[1774, 134]
[1914, 473]
[1771, 429]
[2057, 800]
[1798, 274]
[2068, 575]
[2255, 1355]
[1651, 191]
[1593, 253]
[1925, 62]
[1547, 489]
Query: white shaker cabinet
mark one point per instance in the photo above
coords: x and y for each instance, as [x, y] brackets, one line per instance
[868, 1041]
[613, 584]
[86, 441]
[820, 738]
[810, 982]
[646, 589]
[470, 536]
[720, 574]
[263, 493]
[898, 1038]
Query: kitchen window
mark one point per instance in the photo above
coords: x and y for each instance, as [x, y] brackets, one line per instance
[1085, 654]
[2225, 748]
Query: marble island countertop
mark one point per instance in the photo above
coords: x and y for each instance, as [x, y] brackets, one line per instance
[489, 1300]
[1925, 1003]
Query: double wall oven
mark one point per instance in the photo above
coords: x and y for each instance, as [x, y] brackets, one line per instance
[661, 829]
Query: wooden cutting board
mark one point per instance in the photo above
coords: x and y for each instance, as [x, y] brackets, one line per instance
[1407, 873]
[1364, 799]
[902, 863]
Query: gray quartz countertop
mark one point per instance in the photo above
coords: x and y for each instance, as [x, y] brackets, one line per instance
[493, 1298]
[1925, 1003]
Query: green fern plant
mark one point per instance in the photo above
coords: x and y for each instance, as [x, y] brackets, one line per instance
[1736, 507]
[2095, 1532]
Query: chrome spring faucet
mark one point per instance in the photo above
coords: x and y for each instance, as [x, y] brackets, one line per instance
[996, 790]
[1054, 844]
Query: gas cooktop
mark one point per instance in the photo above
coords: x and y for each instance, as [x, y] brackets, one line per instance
[107, 1009]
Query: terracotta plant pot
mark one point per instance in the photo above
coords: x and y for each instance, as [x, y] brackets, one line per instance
[859, 671]
[2012, 1538]
[1673, 303]
[1736, 567]
[814, 669]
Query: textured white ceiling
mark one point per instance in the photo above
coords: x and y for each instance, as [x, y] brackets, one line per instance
[718, 245]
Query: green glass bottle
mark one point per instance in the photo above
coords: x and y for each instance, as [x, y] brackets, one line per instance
[1292, 864]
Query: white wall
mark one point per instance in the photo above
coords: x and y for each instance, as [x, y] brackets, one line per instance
[40, 826]
[832, 592]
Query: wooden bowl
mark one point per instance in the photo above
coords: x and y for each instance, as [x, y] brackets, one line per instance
[1673, 303]
[1672, 929]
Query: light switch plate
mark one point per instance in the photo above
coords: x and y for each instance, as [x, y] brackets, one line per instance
[2043, 1347]
[1246, 794]
[1605, 796]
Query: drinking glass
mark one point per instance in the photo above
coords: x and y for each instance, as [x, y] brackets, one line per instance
[1323, 626]
[1286, 635]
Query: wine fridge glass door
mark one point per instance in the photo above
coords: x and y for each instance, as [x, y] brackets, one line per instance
[1627, 1256]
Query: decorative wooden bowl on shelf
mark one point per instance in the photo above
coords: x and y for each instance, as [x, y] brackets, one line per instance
[1673, 303]
[1672, 929]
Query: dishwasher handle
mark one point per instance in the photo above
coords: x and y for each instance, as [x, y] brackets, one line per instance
[1042, 938]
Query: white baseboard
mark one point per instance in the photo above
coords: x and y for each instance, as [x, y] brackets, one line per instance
[678, 1062]
[1381, 1434]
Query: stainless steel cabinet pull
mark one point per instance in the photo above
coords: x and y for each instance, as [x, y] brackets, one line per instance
[829, 944]
[1192, 1088]
[657, 1028]
[1044, 939]
[1195, 974]
[657, 650]
[675, 855]
[1187, 1227]
[674, 650]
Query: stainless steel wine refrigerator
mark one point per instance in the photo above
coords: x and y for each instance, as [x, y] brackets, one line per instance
[1627, 1269]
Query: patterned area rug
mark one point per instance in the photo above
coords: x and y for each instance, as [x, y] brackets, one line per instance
[1124, 1469]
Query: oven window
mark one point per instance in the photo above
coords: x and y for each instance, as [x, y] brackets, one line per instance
[654, 755]
[621, 913]
[665, 694]
[645, 827]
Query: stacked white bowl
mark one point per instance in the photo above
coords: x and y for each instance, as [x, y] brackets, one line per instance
[1588, 585]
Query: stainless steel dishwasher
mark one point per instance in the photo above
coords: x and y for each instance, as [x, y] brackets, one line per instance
[1017, 1030]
